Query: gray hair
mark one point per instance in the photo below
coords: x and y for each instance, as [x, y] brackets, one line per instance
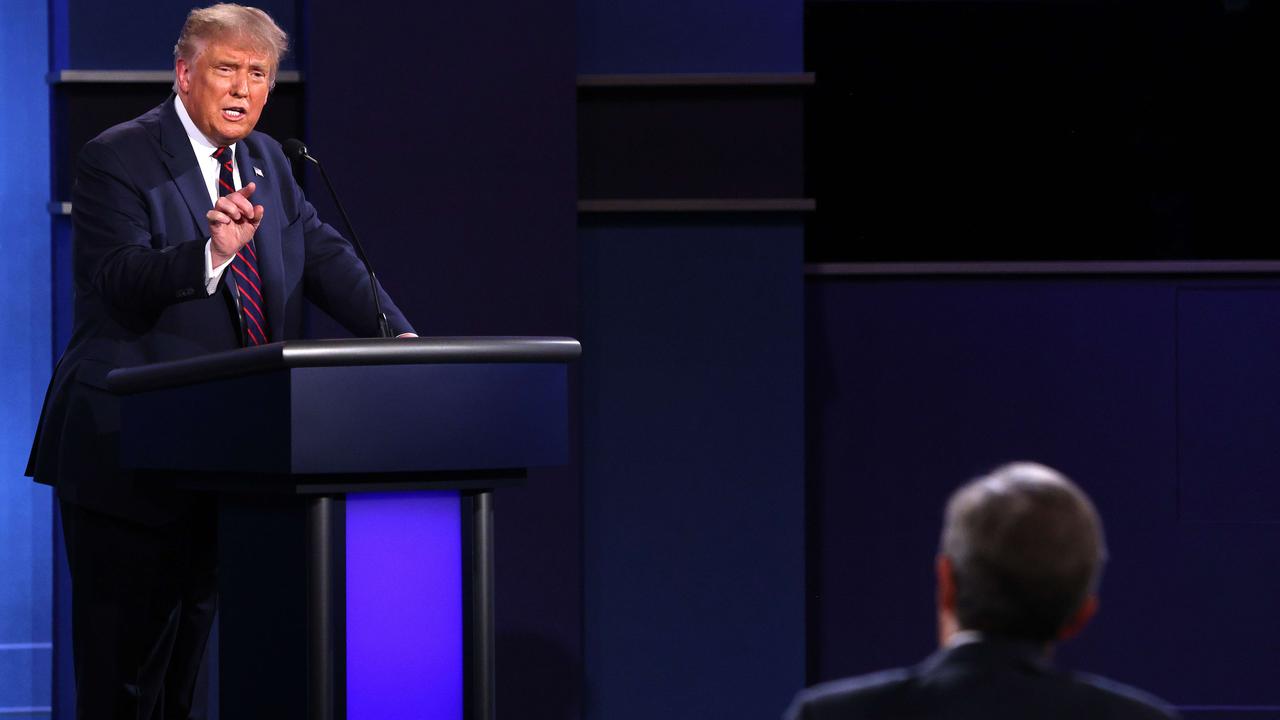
[1026, 550]
[229, 21]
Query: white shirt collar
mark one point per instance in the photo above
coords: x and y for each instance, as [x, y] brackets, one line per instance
[964, 637]
[200, 144]
[204, 150]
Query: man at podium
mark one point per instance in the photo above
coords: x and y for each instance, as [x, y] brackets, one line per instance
[191, 237]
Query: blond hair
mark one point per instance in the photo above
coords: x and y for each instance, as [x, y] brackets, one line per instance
[228, 21]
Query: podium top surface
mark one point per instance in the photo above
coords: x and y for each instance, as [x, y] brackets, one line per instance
[341, 352]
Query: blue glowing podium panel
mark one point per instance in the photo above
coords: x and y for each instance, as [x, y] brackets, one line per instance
[355, 518]
[404, 580]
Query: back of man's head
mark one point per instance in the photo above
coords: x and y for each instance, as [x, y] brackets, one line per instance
[1026, 549]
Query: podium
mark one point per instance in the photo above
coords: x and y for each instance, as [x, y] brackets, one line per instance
[354, 480]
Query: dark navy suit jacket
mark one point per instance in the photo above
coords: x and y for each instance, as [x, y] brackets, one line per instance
[139, 205]
[985, 680]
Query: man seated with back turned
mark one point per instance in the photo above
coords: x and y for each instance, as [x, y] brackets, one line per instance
[1022, 551]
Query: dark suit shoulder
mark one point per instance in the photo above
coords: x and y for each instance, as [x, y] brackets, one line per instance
[113, 149]
[262, 140]
[880, 694]
[1126, 701]
[130, 131]
[987, 680]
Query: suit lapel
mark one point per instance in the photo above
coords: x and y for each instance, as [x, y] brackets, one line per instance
[182, 166]
[267, 238]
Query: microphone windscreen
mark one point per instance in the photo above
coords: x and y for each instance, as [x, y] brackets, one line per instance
[294, 148]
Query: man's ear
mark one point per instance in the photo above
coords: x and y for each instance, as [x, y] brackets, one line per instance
[948, 625]
[1087, 610]
[946, 584]
[182, 71]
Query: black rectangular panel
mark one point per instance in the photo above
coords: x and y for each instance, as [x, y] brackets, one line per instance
[998, 130]
[691, 142]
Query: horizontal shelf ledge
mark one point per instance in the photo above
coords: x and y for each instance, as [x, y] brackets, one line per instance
[697, 205]
[695, 80]
[1050, 267]
[139, 76]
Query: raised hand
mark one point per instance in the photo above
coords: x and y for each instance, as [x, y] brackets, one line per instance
[232, 223]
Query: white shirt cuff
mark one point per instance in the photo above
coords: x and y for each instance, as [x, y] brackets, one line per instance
[211, 274]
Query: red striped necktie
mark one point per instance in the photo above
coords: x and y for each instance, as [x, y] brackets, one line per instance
[245, 266]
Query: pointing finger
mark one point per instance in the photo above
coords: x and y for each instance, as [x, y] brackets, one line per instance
[244, 206]
[247, 190]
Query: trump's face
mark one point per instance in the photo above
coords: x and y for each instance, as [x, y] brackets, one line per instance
[224, 89]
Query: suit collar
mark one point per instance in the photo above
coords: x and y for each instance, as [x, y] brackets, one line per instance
[163, 123]
[181, 163]
[989, 652]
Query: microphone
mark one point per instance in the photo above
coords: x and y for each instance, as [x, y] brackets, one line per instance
[295, 149]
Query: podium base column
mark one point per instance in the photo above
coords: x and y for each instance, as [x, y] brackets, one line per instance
[478, 604]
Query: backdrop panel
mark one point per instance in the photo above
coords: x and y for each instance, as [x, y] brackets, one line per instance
[917, 385]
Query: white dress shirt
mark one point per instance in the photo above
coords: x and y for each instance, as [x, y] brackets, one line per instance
[964, 637]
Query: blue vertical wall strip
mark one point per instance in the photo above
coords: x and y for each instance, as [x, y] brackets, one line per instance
[693, 452]
[62, 299]
[25, 552]
[693, 428]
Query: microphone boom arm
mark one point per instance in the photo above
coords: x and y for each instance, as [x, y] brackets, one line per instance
[295, 148]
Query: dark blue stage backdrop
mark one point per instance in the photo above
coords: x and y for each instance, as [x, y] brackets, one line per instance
[663, 574]
[693, 386]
